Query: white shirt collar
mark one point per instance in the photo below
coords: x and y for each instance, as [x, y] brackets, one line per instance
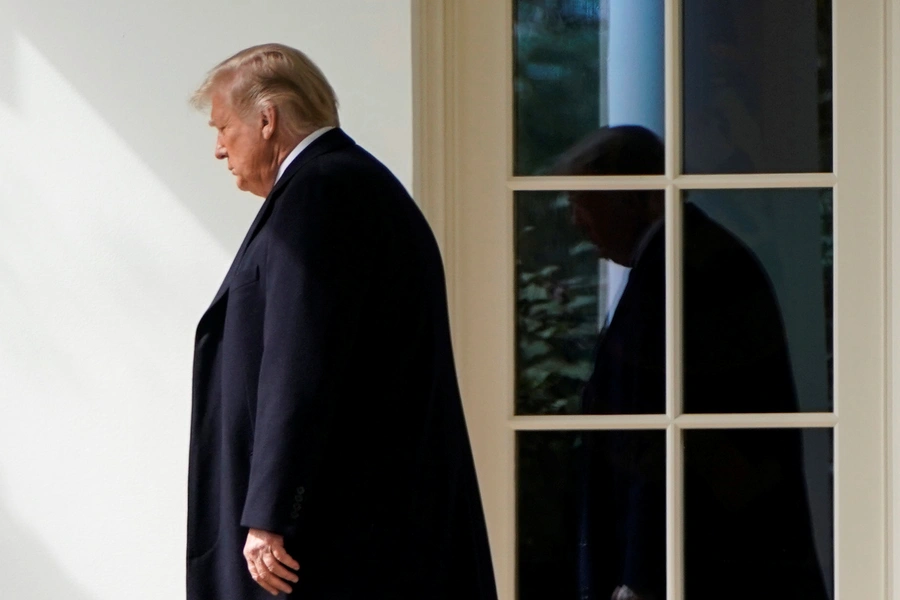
[303, 145]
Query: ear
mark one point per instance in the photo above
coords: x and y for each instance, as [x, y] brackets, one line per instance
[268, 119]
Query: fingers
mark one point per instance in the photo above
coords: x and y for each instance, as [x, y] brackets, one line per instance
[276, 568]
[283, 557]
[260, 579]
[271, 578]
[623, 592]
[268, 562]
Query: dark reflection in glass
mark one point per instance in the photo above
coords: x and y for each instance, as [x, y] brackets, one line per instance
[591, 286]
[591, 514]
[580, 65]
[757, 301]
[591, 293]
[758, 514]
[591, 504]
[757, 86]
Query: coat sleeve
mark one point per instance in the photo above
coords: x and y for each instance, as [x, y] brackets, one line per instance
[317, 274]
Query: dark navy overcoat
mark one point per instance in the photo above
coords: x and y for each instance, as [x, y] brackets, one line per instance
[325, 400]
[747, 519]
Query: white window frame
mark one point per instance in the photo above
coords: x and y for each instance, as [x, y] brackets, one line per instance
[449, 36]
[892, 272]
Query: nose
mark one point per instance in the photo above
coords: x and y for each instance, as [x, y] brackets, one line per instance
[220, 151]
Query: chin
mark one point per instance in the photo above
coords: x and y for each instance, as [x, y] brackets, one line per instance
[242, 185]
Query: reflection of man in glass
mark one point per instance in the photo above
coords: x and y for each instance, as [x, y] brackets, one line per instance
[747, 521]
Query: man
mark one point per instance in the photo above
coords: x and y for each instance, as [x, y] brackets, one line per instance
[329, 453]
[747, 521]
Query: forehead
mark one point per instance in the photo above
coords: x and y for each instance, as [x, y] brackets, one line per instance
[220, 109]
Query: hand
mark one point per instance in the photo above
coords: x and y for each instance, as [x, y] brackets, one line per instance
[267, 559]
[623, 592]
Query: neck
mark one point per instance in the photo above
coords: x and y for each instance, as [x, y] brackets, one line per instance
[643, 239]
[284, 148]
[281, 148]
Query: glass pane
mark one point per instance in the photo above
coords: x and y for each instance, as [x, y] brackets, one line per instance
[757, 86]
[759, 508]
[581, 65]
[590, 310]
[758, 301]
[590, 514]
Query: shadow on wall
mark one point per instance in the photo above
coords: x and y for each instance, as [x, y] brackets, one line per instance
[136, 64]
[30, 569]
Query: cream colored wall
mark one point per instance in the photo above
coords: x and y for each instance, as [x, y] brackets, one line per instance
[116, 226]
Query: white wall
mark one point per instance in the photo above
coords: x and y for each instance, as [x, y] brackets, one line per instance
[116, 226]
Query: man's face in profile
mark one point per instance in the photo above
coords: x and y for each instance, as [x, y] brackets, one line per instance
[240, 142]
[613, 221]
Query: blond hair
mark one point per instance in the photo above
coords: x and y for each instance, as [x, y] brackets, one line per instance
[274, 75]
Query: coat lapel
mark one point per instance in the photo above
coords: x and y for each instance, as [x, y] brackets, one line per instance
[330, 141]
[627, 300]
